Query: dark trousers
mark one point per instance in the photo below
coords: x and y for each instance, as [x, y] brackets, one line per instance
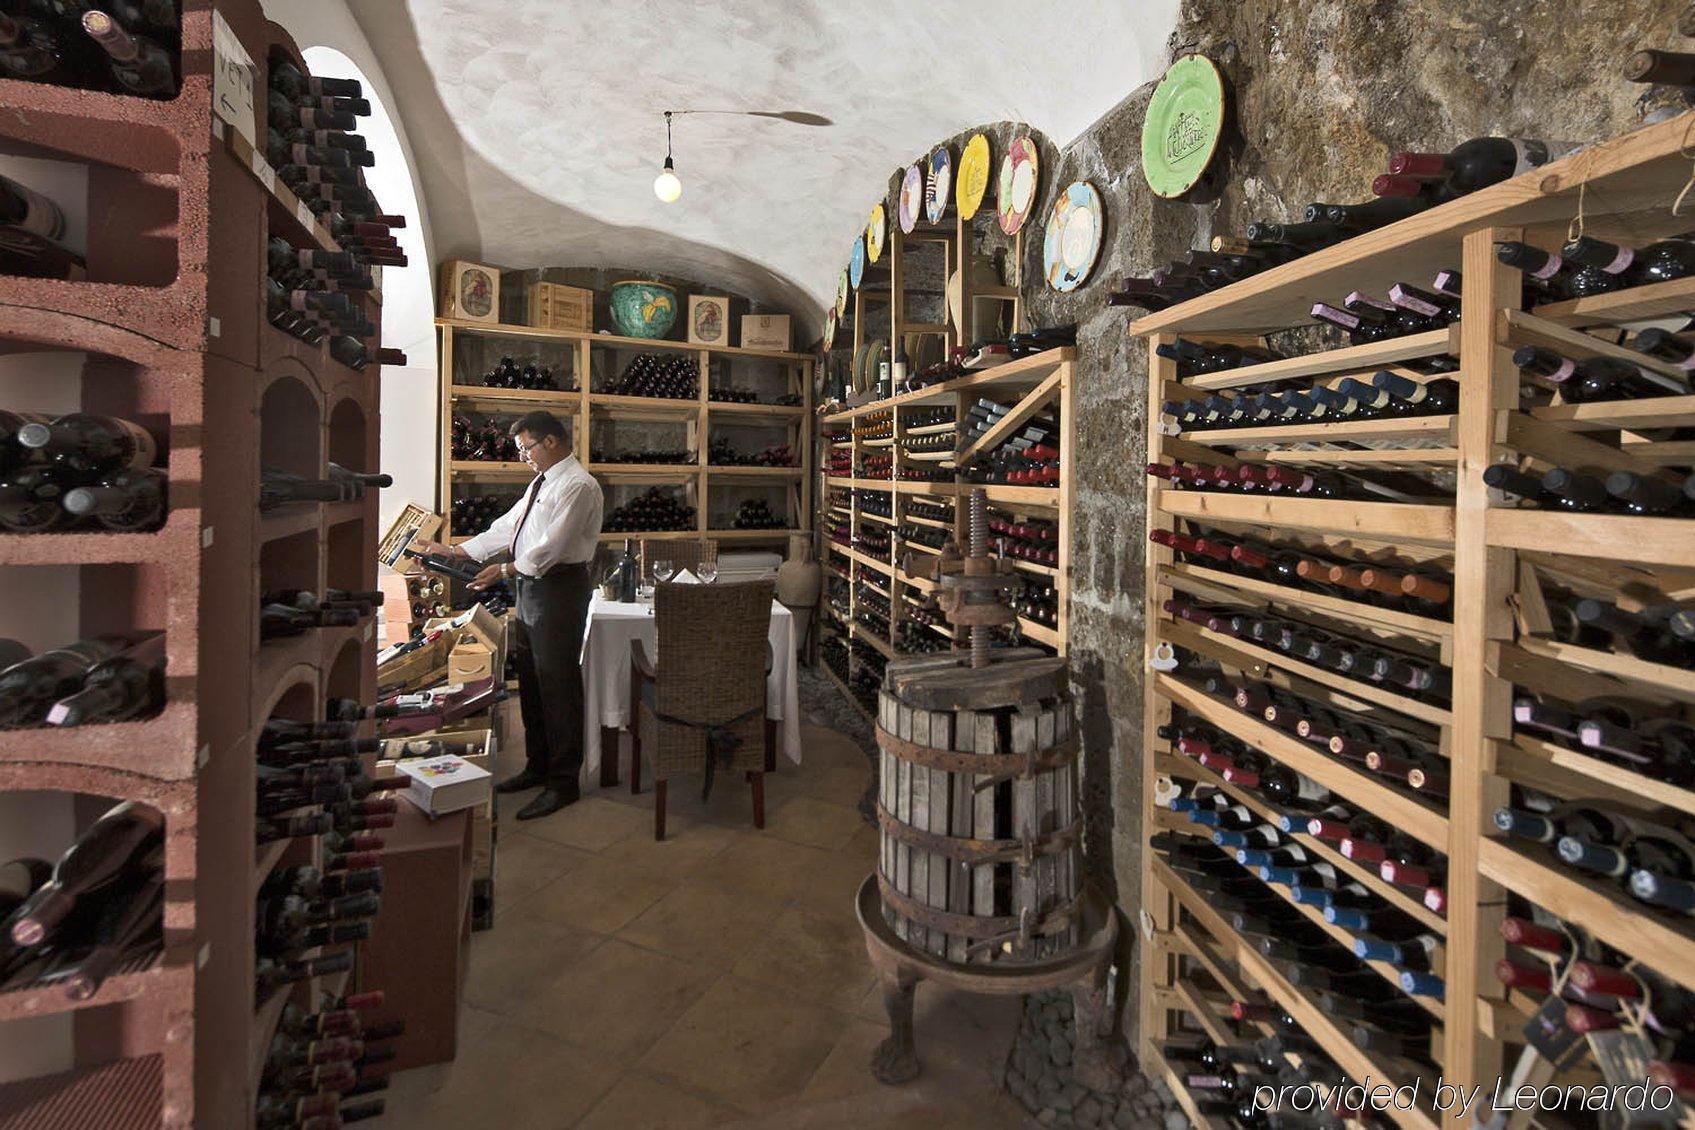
[547, 646]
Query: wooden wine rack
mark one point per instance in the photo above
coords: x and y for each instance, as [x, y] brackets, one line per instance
[1031, 384]
[1624, 188]
[172, 322]
[579, 406]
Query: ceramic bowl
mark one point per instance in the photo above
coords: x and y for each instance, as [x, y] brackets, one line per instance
[643, 309]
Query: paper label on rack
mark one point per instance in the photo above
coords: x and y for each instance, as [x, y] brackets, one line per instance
[262, 169]
[233, 79]
[304, 215]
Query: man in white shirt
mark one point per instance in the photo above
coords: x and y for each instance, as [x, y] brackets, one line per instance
[547, 541]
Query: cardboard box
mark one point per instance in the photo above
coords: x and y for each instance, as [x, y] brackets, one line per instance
[554, 306]
[445, 784]
[765, 331]
[421, 667]
[470, 292]
[412, 523]
[709, 319]
[477, 625]
[479, 747]
[470, 661]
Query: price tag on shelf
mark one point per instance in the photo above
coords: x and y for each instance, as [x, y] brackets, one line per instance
[262, 169]
[233, 79]
[304, 215]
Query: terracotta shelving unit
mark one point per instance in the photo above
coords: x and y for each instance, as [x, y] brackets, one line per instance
[1500, 556]
[173, 330]
[1029, 383]
[581, 408]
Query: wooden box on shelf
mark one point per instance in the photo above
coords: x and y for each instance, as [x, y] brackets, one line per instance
[765, 331]
[470, 292]
[412, 523]
[555, 306]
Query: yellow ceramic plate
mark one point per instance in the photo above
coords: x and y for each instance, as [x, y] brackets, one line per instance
[829, 328]
[876, 232]
[1017, 193]
[841, 294]
[973, 178]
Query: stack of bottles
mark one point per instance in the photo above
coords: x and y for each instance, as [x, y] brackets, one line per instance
[723, 392]
[125, 47]
[655, 509]
[720, 453]
[532, 376]
[1412, 183]
[930, 511]
[873, 541]
[755, 514]
[1595, 490]
[669, 376]
[875, 502]
[102, 679]
[79, 470]
[1035, 600]
[97, 910]
[666, 456]
[1026, 539]
[913, 637]
[474, 513]
[1029, 458]
[485, 441]
[834, 652]
[320, 1060]
[868, 668]
[1386, 396]
[1294, 482]
[838, 462]
[872, 610]
[932, 536]
[1646, 737]
[875, 465]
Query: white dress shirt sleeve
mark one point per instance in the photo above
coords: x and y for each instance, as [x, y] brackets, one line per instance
[561, 519]
[498, 536]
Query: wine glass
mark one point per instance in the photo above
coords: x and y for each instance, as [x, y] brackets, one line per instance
[707, 571]
[662, 570]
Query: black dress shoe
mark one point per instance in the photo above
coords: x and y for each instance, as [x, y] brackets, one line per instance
[547, 802]
[528, 779]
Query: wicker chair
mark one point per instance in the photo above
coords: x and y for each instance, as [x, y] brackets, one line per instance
[684, 553]
[714, 654]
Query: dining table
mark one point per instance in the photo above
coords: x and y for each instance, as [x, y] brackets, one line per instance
[612, 626]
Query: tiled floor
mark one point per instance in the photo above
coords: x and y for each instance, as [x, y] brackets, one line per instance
[715, 979]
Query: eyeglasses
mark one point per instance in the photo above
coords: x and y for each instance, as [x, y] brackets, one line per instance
[525, 448]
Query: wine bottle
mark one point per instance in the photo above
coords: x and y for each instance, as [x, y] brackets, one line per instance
[31, 226]
[112, 845]
[271, 974]
[1474, 164]
[29, 689]
[279, 620]
[1551, 273]
[91, 445]
[127, 501]
[117, 689]
[19, 878]
[135, 63]
[1659, 262]
[127, 919]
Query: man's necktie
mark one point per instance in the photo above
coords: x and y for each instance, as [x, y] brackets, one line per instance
[535, 489]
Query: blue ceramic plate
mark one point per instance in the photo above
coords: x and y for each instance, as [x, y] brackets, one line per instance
[938, 185]
[1072, 242]
[856, 261]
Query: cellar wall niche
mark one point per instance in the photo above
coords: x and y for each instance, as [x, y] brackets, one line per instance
[1321, 98]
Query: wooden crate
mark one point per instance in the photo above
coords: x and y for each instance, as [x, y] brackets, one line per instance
[413, 522]
[555, 306]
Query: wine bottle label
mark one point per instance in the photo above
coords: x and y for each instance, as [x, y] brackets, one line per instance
[1412, 302]
[1308, 789]
[1549, 269]
[1620, 262]
[1531, 154]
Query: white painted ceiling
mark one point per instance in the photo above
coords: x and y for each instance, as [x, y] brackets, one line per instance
[538, 123]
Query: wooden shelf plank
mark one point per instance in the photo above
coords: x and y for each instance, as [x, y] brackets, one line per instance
[1173, 764]
[1041, 633]
[1528, 329]
[755, 472]
[1341, 431]
[520, 396]
[931, 429]
[1527, 759]
[612, 341]
[1314, 1021]
[1419, 820]
[1631, 304]
[639, 407]
[764, 413]
[1652, 412]
[863, 634]
[1411, 458]
[1181, 1093]
[1616, 537]
[867, 560]
[1350, 358]
[1025, 371]
[1031, 403]
[1635, 171]
[1674, 681]
[1422, 627]
[1396, 521]
[1610, 915]
[489, 469]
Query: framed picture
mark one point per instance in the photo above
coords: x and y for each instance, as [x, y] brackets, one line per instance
[470, 292]
[709, 320]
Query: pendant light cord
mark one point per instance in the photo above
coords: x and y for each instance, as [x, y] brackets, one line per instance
[667, 137]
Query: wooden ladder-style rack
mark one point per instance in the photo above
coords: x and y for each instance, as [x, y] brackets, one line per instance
[1499, 555]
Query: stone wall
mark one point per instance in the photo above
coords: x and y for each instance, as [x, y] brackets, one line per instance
[1323, 91]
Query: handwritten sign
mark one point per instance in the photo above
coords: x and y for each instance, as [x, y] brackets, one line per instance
[233, 79]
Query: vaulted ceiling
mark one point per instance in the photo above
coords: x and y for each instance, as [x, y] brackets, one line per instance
[538, 128]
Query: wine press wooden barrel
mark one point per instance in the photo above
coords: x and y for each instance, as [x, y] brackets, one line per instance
[977, 803]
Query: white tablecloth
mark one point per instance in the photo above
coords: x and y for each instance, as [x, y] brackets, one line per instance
[606, 673]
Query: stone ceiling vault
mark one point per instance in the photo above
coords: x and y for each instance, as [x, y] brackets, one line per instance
[538, 130]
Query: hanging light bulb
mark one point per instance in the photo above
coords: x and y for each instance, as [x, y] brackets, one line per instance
[667, 185]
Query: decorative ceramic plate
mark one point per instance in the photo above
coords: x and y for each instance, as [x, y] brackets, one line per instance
[938, 184]
[876, 232]
[973, 176]
[873, 359]
[841, 294]
[856, 261]
[829, 328]
[1018, 182]
[1073, 238]
[911, 198]
[1185, 120]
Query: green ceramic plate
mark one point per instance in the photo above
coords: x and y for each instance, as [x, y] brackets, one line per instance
[1184, 122]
